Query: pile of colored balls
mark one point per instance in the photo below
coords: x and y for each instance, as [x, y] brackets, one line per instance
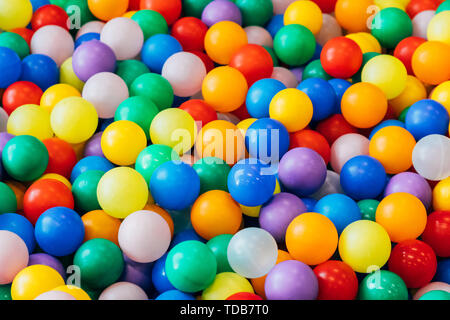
[224, 150]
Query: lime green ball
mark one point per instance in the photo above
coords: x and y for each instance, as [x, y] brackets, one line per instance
[366, 57]
[155, 87]
[314, 69]
[436, 295]
[8, 202]
[368, 208]
[84, 190]
[15, 42]
[390, 26]
[276, 63]
[78, 9]
[151, 22]
[219, 247]
[129, 70]
[5, 292]
[213, 173]
[194, 8]
[402, 116]
[382, 285]
[255, 12]
[294, 44]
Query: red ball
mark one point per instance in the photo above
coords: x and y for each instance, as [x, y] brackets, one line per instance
[416, 6]
[190, 33]
[253, 61]
[62, 157]
[199, 110]
[313, 140]
[327, 6]
[414, 261]
[241, 112]
[20, 93]
[244, 296]
[209, 64]
[334, 127]
[405, 50]
[437, 233]
[134, 5]
[169, 9]
[49, 15]
[43, 195]
[25, 33]
[341, 57]
[337, 281]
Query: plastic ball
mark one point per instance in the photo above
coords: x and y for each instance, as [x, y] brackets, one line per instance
[337, 281]
[84, 190]
[412, 183]
[106, 10]
[217, 11]
[175, 295]
[435, 295]
[157, 50]
[429, 157]
[154, 87]
[19, 94]
[90, 163]
[123, 291]
[49, 15]
[433, 286]
[54, 295]
[8, 199]
[68, 76]
[413, 92]
[30, 120]
[15, 15]
[98, 224]
[20, 226]
[292, 39]
[54, 42]
[190, 33]
[55, 94]
[346, 147]
[368, 208]
[420, 23]
[219, 245]
[226, 284]
[11, 66]
[330, 186]
[322, 97]
[253, 61]
[441, 94]
[330, 29]
[202, 112]
[405, 50]
[427, 117]
[431, 62]
[441, 195]
[255, 12]
[33, 281]
[390, 287]
[390, 26]
[353, 15]
[170, 9]
[15, 42]
[259, 35]
[436, 233]
[313, 140]
[194, 8]
[341, 57]
[13, 256]
[438, 28]
[151, 22]
[74, 291]
[307, 14]
[286, 76]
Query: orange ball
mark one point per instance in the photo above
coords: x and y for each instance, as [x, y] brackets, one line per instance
[108, 9]
[163, 213]
[221, 139]
[402, 215]
[354, 15]
[431, 62]
[19, 191]
[393, 147]
[98, 224]
[311, 238]
[364, 105]
[215, 213]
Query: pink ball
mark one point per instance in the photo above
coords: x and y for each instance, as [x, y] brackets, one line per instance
[53, 41]
[106, 91]
[346, 147]
[330, 29]
[92, 26]
[420, 23]
[124, 36]
[123, 291]
[55, 295]
[280, 6]
[258, 35]
[13, 256]
[430, 287]
[286, 76]
[3, 120]
[144, 236]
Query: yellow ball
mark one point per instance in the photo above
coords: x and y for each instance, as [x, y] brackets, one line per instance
[226, 284]
[365, 41]
[439, 27]
[68, 76]
[382, 4]
[413, 92]
[292, 108]
[441, 195]
[58, 177]
[15, 14]
[441, 94]
[33, 281]
[305, 13]
[122, 141]
[387, 73]
[365, 246]
[56, 93]
[245, 124]
[76, 292]
[122, 191]
[375, 44]
[32, 120]
[175, 128]
[74, 120]
[129, 14]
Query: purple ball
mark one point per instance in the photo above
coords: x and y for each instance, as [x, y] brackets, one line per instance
[302, 171]
[93, 57]
[221, 10]
[4, 138]
[298, 72]
[47, 260]
[138, 273]
[276, 215]
[291, 280]
[412, 183]
[93, 146]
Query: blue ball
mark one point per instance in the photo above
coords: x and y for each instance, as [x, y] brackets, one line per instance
[59, 231]
[41, 70]
[310, 203]
[175, 185]
[363, 177]
[90, 163]
[275, 24]
[185, 235]
[339, 87]
[87, 37]
[340, 209]
[443, 271]
[317, 53]
[21, 226]
[427, 117]
[260, 95]
[267, 139]
[36, 4]
[157, 49]
[174, 295]
[104, 123]
[10, 67]
[159, 276]
[386, 123]
[251, 182]
[322, 96]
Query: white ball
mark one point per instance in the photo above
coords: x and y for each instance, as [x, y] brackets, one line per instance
[53, 41]
[331, 185]
[431, 157]
[185, 72]
[330, 29]
[3, 120]
[123, 291]
[228, 117]
[124, 36]
[280, 6]
[106, 91]
[420, 23]
[346, 147]
[90, 27]
[55, 295]
[258, 35]
[285, 76]
[252, 252]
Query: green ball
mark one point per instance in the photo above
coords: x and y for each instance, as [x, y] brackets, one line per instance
[390, 26]
[219, 247]
[100, 262]
[402, 116]
[5, 292]
[294, 44]
[140, 110]
[151, 22]
[59, 3]
[155, 87]
[314, 69]
[129, 70]
[366, 57]
[435, 295]
[255, 12]
[368, 208]
[382, 285]
[444, 6]
[78, 9]
[152, 157]
[84, 190]
[15, 42]
[213, 173]
[276, 63]
[25, 158]
[8, 201]
[194, 8]
[191, 266]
